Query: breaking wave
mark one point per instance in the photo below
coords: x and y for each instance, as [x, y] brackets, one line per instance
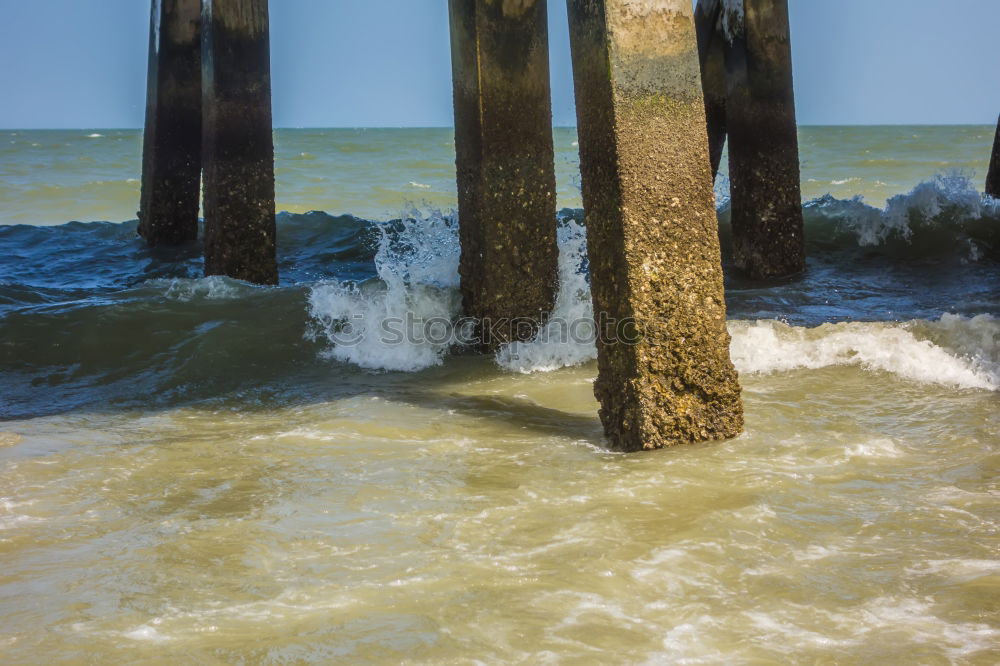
[90, 316]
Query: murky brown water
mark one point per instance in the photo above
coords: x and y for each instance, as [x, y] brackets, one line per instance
[472, 515]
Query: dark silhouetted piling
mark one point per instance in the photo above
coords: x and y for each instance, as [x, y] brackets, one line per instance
[171, 149]
[238, 146]
[665, 376]
[505, 164]
[712, 55]
[993, 177]
[766, 196]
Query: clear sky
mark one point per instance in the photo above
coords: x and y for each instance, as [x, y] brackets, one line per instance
[82, 63]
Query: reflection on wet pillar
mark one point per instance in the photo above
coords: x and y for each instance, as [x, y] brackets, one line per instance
[171, 149]
[505, 164]
[993, 177]
[712, 55]
[665, 376]
[240, 233]
[766, 197]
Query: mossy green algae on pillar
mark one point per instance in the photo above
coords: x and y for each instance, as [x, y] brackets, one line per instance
[712, 55]
[171, 149]
[993, 176]
[665, 376]
[505, 164]
[764, 179]
[238, 146]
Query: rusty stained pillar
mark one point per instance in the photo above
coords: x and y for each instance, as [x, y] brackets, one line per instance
[238, 147]
[712, 56]
[993, 176]
[505, 164]
[764, 179]
[171, 148]
[665, 376]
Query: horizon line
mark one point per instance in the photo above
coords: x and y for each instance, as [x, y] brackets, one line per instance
[451, 127]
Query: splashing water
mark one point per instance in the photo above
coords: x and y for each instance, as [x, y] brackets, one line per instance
[568, 337]
[382, 324]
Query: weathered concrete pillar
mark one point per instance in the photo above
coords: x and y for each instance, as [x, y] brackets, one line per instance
[171, 149]
[712, 55]
[765, 190]
[652, 233]
[993, 177]
[240, 231]
[505, 163]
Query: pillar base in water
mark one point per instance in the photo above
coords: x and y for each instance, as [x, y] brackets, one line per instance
[505, 165]
[764, 179]
[171, 149]
[665, 376]
[240, 229]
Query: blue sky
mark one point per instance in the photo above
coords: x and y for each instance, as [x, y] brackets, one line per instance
[82, 63]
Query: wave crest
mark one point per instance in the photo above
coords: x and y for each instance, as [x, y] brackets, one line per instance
[954, 351]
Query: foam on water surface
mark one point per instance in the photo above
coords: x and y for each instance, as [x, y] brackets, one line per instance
[417, 266]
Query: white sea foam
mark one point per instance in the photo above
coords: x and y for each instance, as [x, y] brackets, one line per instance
[957, 569]
[765, 347]
[147, 633]
[954, 351]
[94, 136]
[369, 325]
[212, 288]
[562, 341]
[903, 212]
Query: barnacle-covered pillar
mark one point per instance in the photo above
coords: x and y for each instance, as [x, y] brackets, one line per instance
[505, 164]
[712, 55]
[764, 181]
[993, 177]
[240, 233]
[665, 376]
[171, 148]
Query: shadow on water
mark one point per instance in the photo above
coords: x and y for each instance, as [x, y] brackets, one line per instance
[330, 383]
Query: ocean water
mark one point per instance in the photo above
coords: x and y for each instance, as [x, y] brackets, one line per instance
[201, 470]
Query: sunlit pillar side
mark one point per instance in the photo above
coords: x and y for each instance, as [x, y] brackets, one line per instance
[665, 375]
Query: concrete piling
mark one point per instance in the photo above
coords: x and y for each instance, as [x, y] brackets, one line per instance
[712, 56]
[171, 150]
[505, 164]
[765, 188]
[993, 176]
[238, 148]
[665, 376]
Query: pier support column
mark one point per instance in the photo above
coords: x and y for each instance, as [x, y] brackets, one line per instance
[993, 177]
[505, 164]
[712, 55]
[764, 180]
[171, 148]
[665, 376]
[240, 231]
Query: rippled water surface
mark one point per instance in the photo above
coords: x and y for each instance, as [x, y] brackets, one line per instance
[200, 471]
